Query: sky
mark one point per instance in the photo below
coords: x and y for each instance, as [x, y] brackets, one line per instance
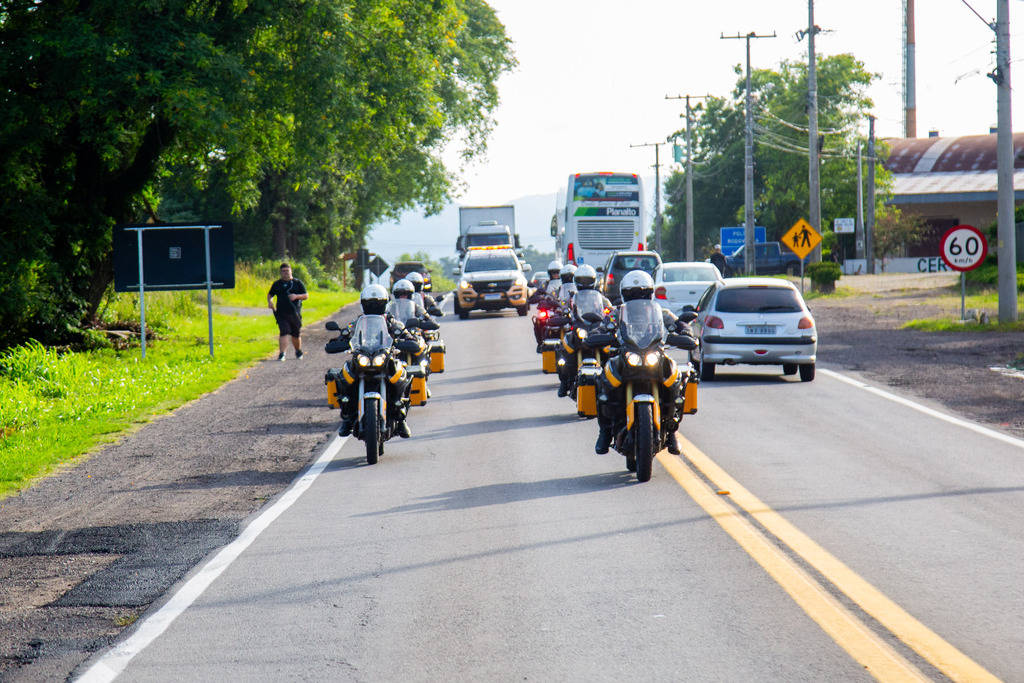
[593, 77]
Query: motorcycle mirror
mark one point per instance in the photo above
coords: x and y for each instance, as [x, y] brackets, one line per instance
[682, 341]
[332, 326]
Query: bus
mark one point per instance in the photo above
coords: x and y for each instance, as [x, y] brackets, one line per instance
[604, 212]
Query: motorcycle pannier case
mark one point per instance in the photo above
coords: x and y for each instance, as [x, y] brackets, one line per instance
[437, 351]
[418, 390]
[332, 379]
[549, 357]
[586, 390]
[690, 398]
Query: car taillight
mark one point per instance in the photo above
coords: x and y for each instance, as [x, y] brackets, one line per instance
[714, 322]
[659, 293]
[806, 323]
[611, 278]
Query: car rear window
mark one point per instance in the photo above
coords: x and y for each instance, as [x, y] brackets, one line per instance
[690, 274]
[647, 263]
[758, 300]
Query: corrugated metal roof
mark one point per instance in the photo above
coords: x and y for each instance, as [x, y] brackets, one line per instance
[970, 153]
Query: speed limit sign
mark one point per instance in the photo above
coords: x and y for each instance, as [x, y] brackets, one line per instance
[964, 247]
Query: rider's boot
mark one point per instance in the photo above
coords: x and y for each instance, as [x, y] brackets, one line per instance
[563, 388]
[604, 440]
[672, 443]
[348, 423]
[403, 429]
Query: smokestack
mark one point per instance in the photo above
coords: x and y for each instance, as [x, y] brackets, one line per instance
[909, 71]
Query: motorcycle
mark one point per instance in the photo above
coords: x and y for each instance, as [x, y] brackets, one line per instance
[417, 361]
[373, 367]
[641, 430]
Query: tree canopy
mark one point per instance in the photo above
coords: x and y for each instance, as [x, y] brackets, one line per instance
[780, 112]
[304, 121]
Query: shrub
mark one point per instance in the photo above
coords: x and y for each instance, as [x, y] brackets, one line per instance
[823, 275]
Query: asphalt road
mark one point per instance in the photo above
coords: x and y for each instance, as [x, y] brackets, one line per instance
[810, 531]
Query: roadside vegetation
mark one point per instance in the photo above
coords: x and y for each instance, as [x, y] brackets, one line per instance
[58, 403]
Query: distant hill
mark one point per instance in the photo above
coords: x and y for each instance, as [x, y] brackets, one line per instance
[436, 234]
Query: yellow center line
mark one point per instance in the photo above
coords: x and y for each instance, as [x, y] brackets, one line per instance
[883, 662]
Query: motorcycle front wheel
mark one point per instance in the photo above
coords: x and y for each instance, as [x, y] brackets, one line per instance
[371, 431]
[644, 441]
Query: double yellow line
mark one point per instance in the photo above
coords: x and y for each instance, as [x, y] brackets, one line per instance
[863, 644]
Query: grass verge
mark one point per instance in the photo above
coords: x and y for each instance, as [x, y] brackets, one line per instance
[57, 405]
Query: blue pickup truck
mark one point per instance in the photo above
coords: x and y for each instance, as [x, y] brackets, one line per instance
[770, 258]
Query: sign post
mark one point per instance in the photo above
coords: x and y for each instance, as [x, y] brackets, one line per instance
[802, 239]
[964, 248]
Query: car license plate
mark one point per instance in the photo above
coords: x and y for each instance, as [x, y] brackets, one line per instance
[761, 330]
[493, 296]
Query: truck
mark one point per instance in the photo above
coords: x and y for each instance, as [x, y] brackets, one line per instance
[487, 226]
[770, 258]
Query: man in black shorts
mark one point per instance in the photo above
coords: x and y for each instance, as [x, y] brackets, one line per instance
[290, 293]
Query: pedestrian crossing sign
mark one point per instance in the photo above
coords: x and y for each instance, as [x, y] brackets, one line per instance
[801, 238]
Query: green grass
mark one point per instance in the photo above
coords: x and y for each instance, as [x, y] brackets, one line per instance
[57, 405]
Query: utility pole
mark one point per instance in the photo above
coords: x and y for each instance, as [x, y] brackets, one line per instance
[813, 151]
[686, 241]
[657, 193]
[1006, 228]
[858, 232]
[869, 224]
[748, 166]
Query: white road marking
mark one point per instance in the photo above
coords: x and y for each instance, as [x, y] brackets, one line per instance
[114, 662]
[984, 431]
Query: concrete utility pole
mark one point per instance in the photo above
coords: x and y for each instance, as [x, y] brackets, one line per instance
[657, 193]
[686, 242]
[1007, 248]
[858, 232]
[749, 256]
[869, 223]
[813, 153]
[909, 72]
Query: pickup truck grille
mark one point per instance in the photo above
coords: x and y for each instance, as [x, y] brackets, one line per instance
[485, 286]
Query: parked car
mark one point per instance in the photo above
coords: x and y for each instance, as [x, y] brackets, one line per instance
[681, 283]
[755, 321]
[403, 268]
[622, 262]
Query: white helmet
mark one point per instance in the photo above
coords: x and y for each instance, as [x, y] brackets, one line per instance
[636, 284]
[585, 277]
[416, 279]
[374, 299]
[403, 288]
[554, 268]
[568, 270]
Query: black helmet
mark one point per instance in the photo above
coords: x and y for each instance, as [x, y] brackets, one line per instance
[568, 270]
[403, 289]
[374, 299]
[636, 284]
[555, 269]
[416, 279]
[585, 277]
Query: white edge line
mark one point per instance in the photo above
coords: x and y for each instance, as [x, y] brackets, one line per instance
[984, 431]
[113, 663]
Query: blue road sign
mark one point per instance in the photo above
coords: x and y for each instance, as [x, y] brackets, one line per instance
[734, 238]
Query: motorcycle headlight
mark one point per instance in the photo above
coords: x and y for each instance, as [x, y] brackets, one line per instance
[581, 333]
[652, 358]
[379, 359]
[633, 358]
[363, 361]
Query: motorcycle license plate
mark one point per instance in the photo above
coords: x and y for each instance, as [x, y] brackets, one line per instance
[492, 297]
[761, 330]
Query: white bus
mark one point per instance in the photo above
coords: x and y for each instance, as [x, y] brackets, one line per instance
[604, 213]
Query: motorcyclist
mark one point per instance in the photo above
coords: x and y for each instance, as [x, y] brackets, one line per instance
[546, 301]
[585, 279]
[405, 290]
[566, 288]
[422, 297]
[373, 300]
[611, 412]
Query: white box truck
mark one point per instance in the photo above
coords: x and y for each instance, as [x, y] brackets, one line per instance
[487, 226]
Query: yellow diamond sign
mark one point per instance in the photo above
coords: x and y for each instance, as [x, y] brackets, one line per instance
[801, 238]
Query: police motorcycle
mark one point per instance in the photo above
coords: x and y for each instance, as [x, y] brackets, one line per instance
[417, 361]
[432, 307]
[552, 318]
[579, 365]
[372, 388]
[642, 392]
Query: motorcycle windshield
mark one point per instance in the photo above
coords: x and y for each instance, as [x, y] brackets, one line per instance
[588, 301]
[641, 324]
[371, 333]
[402, 309]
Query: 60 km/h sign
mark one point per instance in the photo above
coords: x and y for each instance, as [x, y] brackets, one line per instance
[964, 247]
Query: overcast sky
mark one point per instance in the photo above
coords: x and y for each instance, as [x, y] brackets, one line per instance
[593, 76]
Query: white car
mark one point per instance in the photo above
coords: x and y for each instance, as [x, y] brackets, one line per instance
[755, 321]
[681, 283]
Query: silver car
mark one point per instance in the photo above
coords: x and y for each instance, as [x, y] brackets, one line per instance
[681, 283]
[755, 321]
